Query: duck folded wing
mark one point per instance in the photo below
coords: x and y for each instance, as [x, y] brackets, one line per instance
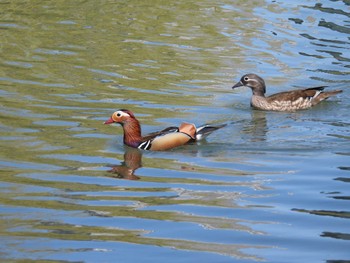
[152, 135]
[315, 93]
[295, 94]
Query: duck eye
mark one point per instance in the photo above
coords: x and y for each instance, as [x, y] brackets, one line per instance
[118, 114]
[246, 78]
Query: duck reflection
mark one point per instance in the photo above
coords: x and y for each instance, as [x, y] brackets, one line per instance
[257, 127]
[132, 161]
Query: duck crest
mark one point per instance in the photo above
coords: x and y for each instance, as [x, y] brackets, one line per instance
[128, 112]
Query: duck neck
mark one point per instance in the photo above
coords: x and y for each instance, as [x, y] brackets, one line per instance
[259, 92]
[132, 133]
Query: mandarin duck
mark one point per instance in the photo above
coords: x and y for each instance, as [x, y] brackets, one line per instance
[166, 139]
[292, 100]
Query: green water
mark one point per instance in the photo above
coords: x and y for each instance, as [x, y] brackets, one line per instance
[268, 187]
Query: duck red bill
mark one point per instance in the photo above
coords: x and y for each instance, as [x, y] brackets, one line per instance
[109, 121]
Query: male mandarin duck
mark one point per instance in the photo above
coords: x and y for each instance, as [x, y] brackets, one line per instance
[166, 139]
[284, 101]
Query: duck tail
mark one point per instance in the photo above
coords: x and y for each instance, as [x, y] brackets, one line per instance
[204, 130]
[325, 95]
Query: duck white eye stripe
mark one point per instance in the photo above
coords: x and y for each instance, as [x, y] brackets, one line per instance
[122, 113]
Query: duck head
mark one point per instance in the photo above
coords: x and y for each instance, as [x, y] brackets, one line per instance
[120, 116]
[131, 126]
[253, 81]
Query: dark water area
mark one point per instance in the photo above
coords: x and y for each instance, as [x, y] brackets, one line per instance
[269, 186]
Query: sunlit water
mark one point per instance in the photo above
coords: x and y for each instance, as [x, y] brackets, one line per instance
[268, 187]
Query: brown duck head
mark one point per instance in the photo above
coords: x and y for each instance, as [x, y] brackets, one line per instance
[253, 81]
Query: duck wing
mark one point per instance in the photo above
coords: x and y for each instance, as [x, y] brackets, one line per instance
[172, 137]
[152, 135]
[294, 95]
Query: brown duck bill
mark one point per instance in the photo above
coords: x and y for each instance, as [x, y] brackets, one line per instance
[237, 85]
[109, 121]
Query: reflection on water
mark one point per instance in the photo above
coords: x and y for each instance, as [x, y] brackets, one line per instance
[257, 128]
[132, 161]
[268, 187]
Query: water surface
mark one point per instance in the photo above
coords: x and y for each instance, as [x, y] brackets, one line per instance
[268, 187]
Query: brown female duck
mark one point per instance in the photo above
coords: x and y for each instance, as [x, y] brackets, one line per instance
[284, 101]
[166, 139]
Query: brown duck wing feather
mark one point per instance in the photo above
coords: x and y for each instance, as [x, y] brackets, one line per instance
[294, 95]
[309, 93]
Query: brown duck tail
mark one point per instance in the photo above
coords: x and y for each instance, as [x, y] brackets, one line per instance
[325, 95]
